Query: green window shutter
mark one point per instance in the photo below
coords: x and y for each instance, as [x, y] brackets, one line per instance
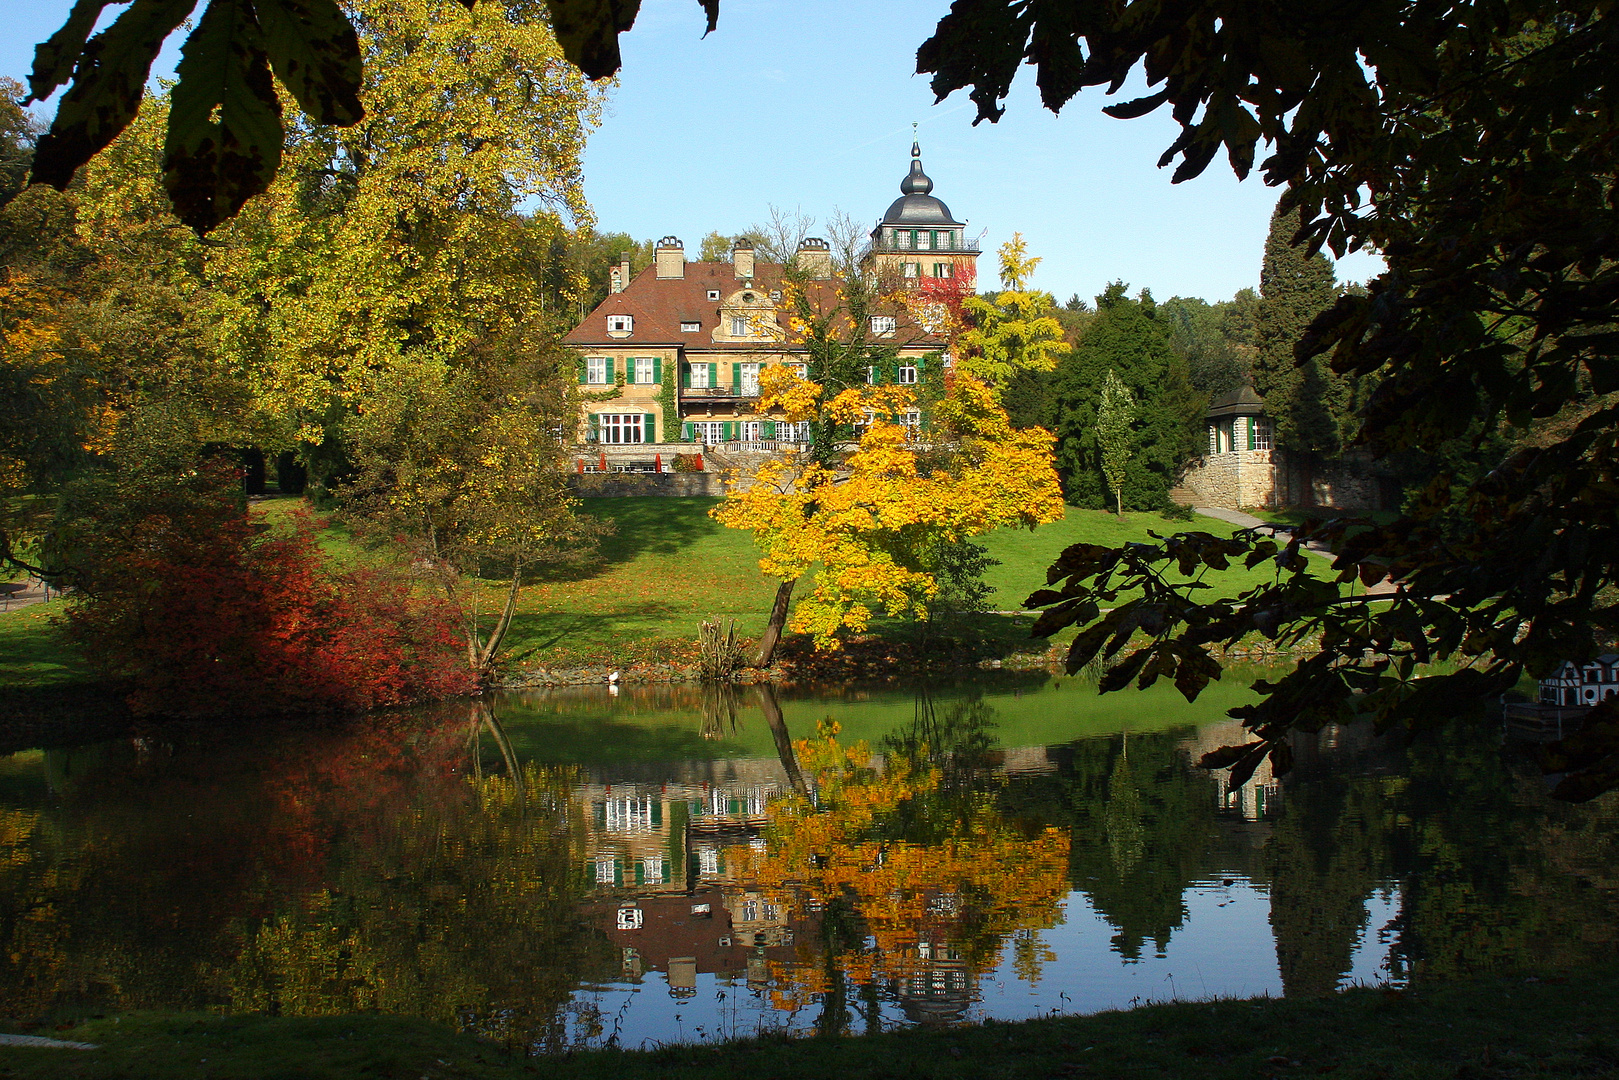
[685, 376]
[730, 431]
[768, 429]
[657, 371]
[609, 371]
[736, 378]
[686, 433]
[595, 428]
[657, 812]
[640, 872]
[650, 427]
[583, 374]
[618, 873]
[713, 374]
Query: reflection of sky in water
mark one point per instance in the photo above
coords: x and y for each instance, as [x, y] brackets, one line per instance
[1225, 948]
[634, 800]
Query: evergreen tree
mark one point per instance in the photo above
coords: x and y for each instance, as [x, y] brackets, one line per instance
[1310, 403]
[1126, 336]
[1115, 419]
[1203, 333]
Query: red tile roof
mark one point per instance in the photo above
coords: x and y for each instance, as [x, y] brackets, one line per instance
[659, 305]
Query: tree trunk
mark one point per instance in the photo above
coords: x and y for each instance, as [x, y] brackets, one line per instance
[778, 730]
[1118, 496]
[778, 619]
[491, 648]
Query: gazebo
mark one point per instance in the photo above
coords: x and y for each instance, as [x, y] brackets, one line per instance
[1237, 422]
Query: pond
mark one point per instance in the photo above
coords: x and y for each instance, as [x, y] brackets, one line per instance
[579, 867]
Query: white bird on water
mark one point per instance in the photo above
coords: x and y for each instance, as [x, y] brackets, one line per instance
[612, 679]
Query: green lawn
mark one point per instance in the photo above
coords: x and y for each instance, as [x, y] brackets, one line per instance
[666, 567]
[34, 651]
[1025, 555]
[1500, 1028]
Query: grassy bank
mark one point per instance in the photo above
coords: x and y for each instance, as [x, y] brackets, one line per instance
[666, 567]
[1502, 1028]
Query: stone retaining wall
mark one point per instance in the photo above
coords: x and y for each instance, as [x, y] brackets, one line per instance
[607, 485]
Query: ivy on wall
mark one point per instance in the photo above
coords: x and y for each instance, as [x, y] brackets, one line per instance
[666, 398]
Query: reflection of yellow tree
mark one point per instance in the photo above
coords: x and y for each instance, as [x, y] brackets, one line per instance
[974, 882]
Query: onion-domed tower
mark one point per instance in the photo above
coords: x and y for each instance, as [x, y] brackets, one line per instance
[918, 239]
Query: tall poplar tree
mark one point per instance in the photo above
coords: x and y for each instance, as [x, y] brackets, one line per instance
[1309, 402]
[1114, 418]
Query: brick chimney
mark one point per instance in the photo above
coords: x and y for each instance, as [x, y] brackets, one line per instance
[671, 258]
[619, 277]
[815, 258]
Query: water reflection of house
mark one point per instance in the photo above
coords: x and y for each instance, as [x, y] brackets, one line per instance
[1025, 761]
[1261, 797]
[932, 983]
[704, 932]
[665, 836]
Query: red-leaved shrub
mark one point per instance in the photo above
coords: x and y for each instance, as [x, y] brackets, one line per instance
[202, 613]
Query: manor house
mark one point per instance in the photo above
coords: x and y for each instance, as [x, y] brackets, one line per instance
[690, 339]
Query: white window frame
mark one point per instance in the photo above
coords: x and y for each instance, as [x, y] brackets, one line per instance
[750, 378]
[1263, 438]
[800, 369]
[713, 294]
[792, 431]
[912, 419]
[631, 918]
[708, 431]
[944, 270]
[612, 428]
[884, 325]
[739, 326]
[775, 294]
[620, 324]
[913, 270]
[699, 375]
[690, 327]
[606, 870]
[751, 431]
[596, 370]
[652, 870]
[907, 374]
[642, 370]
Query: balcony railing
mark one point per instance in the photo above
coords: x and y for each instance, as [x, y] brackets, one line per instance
[744, 391]
[890, 246]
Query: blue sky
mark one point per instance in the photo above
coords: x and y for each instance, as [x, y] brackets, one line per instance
[809, 106]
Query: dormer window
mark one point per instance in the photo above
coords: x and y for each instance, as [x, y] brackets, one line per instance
[882, 325]
[713, 294]
[739, 326]
[620, 324]
[690, 327]
[775, 294]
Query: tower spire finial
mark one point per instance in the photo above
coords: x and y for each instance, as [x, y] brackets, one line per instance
[916, 181]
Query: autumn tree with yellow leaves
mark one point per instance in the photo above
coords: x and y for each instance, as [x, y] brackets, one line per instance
[1017, 330]
[870, 521]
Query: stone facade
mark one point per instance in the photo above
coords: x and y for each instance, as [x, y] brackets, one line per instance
[1234, 480]
[1242, 470]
